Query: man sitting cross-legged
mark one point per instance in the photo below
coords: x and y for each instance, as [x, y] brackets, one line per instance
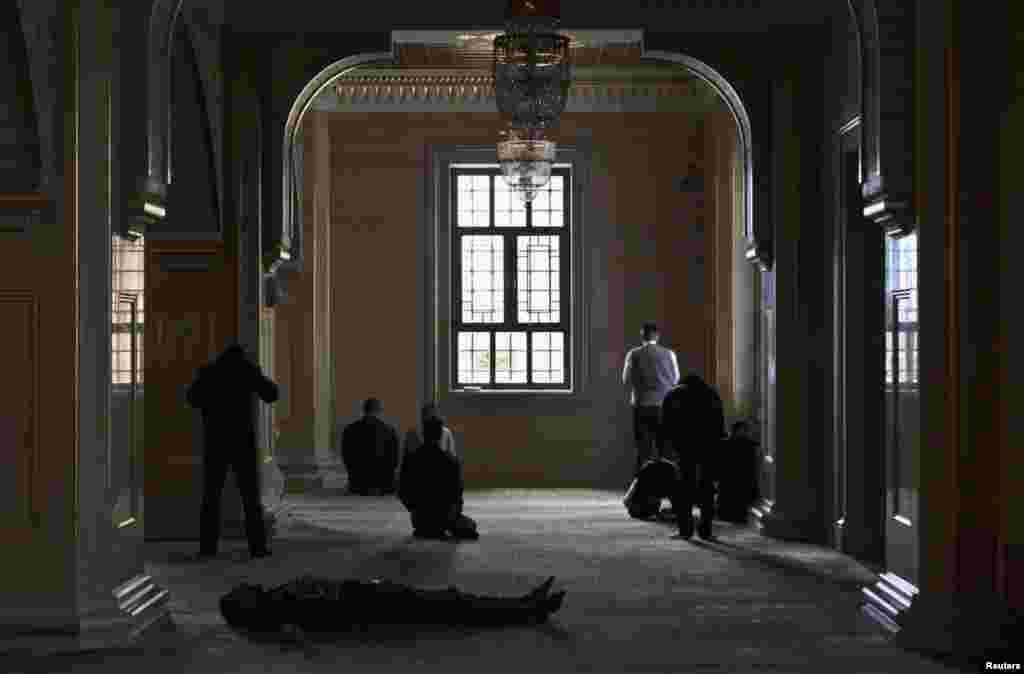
[430, 487]
[369, 448]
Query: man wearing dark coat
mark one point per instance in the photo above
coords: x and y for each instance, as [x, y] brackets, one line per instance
[430, 487]
[223, 391]
[693, 424]
[370, 451]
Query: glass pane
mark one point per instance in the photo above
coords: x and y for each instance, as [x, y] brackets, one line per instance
[474, 358]
[508, 359]
[472, 201]
[538, 290]
[519, 359]
[509, 210]
[481, 201]
[548, 357]
[549, 204]
[541, 360]
[483, 279]
[542, 202]
[502, 202]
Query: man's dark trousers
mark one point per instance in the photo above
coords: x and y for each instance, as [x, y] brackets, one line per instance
[646, 433]
[245, 465]
[696, 484]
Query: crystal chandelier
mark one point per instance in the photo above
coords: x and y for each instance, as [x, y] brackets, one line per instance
[526, 157]
[532, 75]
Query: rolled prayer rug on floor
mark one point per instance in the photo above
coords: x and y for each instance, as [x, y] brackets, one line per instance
[323, 605]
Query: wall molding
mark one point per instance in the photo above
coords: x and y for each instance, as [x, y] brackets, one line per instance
[26, 301]
[22, 213]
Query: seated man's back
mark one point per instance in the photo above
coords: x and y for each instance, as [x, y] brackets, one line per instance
[370, 450]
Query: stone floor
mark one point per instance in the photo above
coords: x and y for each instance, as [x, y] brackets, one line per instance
[639, 600]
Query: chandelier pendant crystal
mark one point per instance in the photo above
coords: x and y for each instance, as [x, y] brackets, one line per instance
[526, 158]
[532, 76]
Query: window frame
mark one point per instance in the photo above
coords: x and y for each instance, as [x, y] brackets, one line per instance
[510, 237]
[435, 377]
[128, 304]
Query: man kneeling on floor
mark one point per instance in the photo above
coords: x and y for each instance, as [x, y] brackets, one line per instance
[430, 487]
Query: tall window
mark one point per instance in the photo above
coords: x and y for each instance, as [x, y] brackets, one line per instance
[901, 335]
[128, 282]
[511, 313]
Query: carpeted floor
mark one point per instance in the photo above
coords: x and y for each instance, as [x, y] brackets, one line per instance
[639, 599]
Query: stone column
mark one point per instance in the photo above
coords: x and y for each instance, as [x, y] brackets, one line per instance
[76, 577]
[325, 454]
[793, 515]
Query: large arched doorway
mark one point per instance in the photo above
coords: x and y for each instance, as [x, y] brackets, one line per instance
[729, 362]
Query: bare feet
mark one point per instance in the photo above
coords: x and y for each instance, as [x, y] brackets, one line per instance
[542, 590]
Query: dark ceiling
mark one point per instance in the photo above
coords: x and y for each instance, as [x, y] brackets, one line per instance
[685, 16]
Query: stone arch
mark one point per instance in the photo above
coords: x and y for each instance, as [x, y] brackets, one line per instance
[162, 23]
[291, 175]
[866, 18]
[206, 52]
[37, 22]
[291, 169]
[732, 100]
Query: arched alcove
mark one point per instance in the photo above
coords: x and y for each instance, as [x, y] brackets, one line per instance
[743, 236]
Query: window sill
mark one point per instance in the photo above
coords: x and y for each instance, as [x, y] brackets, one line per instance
[515, 392]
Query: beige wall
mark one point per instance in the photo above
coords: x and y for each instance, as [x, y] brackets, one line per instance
[655, 264]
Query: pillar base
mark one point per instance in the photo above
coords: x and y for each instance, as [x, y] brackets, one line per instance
[970, 628]
[133, 610]
[300, 478]
[774, 523]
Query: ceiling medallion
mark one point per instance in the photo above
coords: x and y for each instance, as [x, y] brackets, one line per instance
[532, 76]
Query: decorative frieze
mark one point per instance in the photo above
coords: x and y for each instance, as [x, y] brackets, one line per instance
[456, 89]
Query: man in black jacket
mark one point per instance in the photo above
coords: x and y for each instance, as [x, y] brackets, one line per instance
[692, 425]
[431, 487]
[223, 391]
[369, 449]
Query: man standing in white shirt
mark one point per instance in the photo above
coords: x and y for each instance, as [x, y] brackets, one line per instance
[650, 371]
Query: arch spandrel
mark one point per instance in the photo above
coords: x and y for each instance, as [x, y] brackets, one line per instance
[291, 233]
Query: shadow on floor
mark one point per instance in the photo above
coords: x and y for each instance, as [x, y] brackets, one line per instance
[839, 570]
